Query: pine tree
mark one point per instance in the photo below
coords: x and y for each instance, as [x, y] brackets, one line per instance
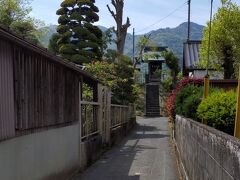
[80, 41]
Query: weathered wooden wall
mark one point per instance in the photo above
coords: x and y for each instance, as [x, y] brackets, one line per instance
[7, 112]
[37, 90]
[46, 93]
[43, 116]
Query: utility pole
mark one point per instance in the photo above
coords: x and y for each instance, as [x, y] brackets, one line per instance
[237, 119]
[206, 78]
[209, 36]
[133, 55]
[189, 20]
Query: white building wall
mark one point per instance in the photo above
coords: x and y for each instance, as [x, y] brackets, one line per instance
[52, 154]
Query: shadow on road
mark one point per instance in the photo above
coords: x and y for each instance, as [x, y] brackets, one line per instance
[120, 162]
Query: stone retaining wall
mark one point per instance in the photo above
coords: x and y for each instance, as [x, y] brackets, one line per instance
[205, 152]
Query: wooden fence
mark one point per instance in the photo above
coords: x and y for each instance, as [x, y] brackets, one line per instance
[39, 90]
[119, 115]
[227, 84]
[93, 122]
[89, 119]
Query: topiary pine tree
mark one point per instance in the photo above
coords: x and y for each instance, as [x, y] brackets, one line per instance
[80, 41]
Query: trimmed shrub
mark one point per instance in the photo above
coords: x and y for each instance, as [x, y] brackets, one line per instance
[188, 100]
[218, 110]
[171, 99]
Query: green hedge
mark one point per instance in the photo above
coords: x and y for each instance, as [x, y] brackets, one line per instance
[187, 101]
[218, 110]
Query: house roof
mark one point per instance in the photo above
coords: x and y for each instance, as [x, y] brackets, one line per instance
[191, 54]
[155, 49]
[13, 37]
[160, 59]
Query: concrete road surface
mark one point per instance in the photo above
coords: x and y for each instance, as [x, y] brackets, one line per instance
[146, 154]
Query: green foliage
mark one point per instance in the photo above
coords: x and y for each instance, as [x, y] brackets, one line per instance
[110, 55]
[225, 40]
[172, 63]
[107, 38]
[219, 110]
[154, 55]
[140, 105]
[13, 10]
[168, 83]
[118, 77]
[142, 43]
[14, 14]
[187, 101]
[79, 40]
[87, 94]
[125, 90]
[103, 71]
[52, 46]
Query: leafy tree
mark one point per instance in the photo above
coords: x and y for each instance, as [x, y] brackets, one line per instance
[110, 55]
[172, 63]
[15, 15]
[225, 40]
[80, 41]
[104, 71]
[107, 38]
[126, 90]
[121, 30]
[13, 10]
[53, 46]
[118, 76]
[142, 43]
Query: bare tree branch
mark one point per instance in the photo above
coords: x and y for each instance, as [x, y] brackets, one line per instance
[121, 31]
[112, 13]
[114, 4]
[127, 25]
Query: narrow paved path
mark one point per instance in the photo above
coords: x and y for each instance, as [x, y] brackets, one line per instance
[146, 154]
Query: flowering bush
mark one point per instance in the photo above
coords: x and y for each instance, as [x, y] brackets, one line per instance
[172, 98]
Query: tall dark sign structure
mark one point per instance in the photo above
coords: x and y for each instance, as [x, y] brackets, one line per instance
[153, 79]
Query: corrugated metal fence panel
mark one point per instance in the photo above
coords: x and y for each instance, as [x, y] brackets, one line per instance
[187, 55]
[7, 115]
[47, 94]
[191, 54]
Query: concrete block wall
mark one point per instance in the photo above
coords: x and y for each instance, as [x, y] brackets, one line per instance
[205, 152]
[90, 151]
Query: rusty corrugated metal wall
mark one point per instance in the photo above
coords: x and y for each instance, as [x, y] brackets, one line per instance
[7, 119]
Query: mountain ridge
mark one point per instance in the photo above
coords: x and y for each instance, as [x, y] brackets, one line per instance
[171, 37]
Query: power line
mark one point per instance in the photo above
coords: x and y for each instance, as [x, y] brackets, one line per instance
[180, 7]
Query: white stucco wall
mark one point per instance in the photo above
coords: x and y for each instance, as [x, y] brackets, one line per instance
[44, 155]
[213, 74]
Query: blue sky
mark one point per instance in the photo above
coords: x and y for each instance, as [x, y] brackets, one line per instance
[142, 13]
